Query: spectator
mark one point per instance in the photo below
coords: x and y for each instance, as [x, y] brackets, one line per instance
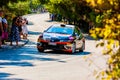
[24, 28]
[15, 34]
[1, 27]
[20, 25]
[5, 28]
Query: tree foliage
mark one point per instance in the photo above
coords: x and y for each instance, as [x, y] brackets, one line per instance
[110, 32]
[19, 8]
[5, 2]
[69, 8]
[34, 4]
[74, 11]
[14, 8]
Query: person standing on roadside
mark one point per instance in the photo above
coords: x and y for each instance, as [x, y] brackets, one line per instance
[20, 25]
[15, 34]
[24, 28]
[1, 27]
[5, 27]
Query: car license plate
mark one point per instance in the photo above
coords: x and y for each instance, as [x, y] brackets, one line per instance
[51, 43]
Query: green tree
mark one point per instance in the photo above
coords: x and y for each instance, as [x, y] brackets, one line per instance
[34, 4]
[73, 11]
[19, 8]
[5, 2]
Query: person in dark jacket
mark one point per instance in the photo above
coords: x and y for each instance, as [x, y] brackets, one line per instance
[15, 35]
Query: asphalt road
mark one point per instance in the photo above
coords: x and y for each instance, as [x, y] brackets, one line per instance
[26, 63]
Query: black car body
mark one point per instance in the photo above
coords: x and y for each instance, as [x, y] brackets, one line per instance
[61, 37]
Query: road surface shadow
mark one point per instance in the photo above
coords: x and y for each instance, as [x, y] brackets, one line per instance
[30, 23]
[88, 37]
[33, 33]
[14, 57]
[49, 21]
[17, 63]
[66, 53]
[4, 76]
[82, 53]
[18, 57]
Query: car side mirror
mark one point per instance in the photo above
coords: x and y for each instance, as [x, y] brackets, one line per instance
[76, 34]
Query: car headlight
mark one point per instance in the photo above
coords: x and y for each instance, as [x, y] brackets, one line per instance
[68, 46]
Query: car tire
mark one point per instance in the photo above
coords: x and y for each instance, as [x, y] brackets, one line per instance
[40, 50]
[80, 50]
[73, 48]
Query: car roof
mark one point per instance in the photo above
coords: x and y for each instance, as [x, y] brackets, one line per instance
[64, 25]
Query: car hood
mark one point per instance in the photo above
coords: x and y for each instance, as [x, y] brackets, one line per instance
[54, 37]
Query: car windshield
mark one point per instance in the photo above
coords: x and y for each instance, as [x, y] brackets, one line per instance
[61, 30]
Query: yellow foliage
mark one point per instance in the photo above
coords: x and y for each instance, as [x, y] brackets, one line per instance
[91, 2]
[108, 77]
[103, 79]
[88, 1]
[107, 26]
[101, 34]
[94, 36]
[100, 1]
[111, 2]
[107, 21]
[92, 31]
[111, 21]
[111, 41]
[109, 32]
[102, 73]
[97, 29]
[110, 60]
[117, 43]
[118, 16]
[108, 46]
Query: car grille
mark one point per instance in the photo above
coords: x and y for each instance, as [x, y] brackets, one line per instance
[45, 45]
[54, 40]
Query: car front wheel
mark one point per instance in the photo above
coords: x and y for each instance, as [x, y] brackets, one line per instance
[40, 50]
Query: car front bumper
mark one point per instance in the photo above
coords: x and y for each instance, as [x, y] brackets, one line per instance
[64, 46]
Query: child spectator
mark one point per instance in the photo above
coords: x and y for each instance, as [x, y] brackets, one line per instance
[24, 28]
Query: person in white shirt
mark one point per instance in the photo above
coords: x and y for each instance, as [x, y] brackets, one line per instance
[4, 20]
[24, 28]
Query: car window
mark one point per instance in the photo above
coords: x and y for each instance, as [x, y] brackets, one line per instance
[62, 30]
